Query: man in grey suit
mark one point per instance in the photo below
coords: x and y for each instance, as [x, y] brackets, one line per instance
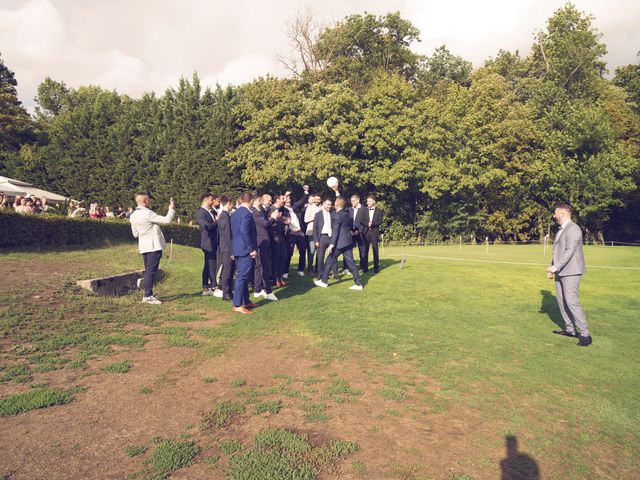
[568, 266]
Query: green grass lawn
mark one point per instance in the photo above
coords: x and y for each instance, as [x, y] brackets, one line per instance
[479, 324]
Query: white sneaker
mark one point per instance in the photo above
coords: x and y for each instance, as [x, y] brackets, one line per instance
[320, 283]
[346, 272]
[139, 282]
[285, 275]
[300, 274]
[271, 296]
[217, 293]
[151, 300]
[207, 293]
[261, 293]
[356, 287]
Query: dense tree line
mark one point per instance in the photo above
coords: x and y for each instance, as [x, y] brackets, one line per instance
[450, 151]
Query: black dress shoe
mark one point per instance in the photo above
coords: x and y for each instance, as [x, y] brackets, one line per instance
[585, 341]
[227, 297]
[564, 333]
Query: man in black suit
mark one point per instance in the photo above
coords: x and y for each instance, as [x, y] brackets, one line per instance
[296, 232]
[225, 258]
[341, 244]
[357, 213]
[322, 236]
[370, 230]
[262, 269]
[206, 220]
[279, 240]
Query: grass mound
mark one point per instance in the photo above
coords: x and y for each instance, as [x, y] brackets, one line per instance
[33, 399]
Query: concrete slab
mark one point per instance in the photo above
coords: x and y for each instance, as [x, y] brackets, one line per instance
[115, 284]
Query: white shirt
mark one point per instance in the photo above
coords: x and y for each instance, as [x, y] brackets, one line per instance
[309, 215]
[355, 213]
[371, 212]
[326, 228]
[145, 227]
[295, 223]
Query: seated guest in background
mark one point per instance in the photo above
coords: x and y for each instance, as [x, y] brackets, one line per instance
[278, 241]
[16, 201]
[322, 236]
[3, 201]
[145, 227]
[108, 213]
[370, 232]
[226, 265]
[44, 204]
[341, 244]
[262, 269]
[129, 212]
[297, 238]
[206, 220]
[309, 214]
[244, 245]
[23, 207]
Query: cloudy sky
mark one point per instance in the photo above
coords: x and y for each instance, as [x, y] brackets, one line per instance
[134, 46]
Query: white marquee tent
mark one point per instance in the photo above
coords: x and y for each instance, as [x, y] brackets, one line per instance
[12, 187]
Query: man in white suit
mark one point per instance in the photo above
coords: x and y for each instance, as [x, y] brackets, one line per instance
[145, 227]
[568, 266]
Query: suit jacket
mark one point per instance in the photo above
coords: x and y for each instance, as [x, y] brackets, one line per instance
[145, 227]
[374, 231]
[224, 232]
[318, 224]
[263, 225]
[299, 209]
[243, 233]
[568, 257]
[357, 221]
[208, 229]
[278, 229]
[341, 230]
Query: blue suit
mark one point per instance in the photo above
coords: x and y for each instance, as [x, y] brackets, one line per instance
[243, 242]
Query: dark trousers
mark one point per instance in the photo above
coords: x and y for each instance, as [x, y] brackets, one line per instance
[332, 262]
[371, 241]
[151, 264]
[299, 242]
[244, 266]
[209, 270]
[362, 257]
[226, 268]
[325, 241]
[278, 257]
[262, 270]
[311, 254]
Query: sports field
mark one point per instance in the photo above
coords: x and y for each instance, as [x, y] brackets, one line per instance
[423, 375]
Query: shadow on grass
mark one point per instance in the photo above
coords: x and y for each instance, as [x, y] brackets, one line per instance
[549, 305]
[517, 465]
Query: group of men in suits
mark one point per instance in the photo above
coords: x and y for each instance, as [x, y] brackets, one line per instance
[282, 226]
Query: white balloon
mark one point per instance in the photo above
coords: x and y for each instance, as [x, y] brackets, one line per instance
[332, 182]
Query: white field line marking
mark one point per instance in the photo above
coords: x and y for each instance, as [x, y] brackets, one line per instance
[507, 263]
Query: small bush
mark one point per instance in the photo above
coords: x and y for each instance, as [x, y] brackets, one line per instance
[171, 456]
[222, 414]
[135, 450]
[33, 399]
[229, 446]
[273, 406]
[118, 367]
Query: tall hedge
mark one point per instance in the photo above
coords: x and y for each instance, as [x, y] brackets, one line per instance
[45, 230]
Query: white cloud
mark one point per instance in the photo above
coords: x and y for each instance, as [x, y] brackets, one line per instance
[135, 46]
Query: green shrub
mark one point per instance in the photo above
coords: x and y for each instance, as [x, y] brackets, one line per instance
[230, 446]
[33, 399]
[135, 450]
[117, 367]
[222, 414]
[52, 230]
[171, 456]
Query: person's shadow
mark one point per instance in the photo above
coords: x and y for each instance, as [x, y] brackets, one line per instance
[549, 305]
[517, 465]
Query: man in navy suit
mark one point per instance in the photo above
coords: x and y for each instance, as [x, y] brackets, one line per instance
[206, 220]
[244, 245]
[341, 244]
